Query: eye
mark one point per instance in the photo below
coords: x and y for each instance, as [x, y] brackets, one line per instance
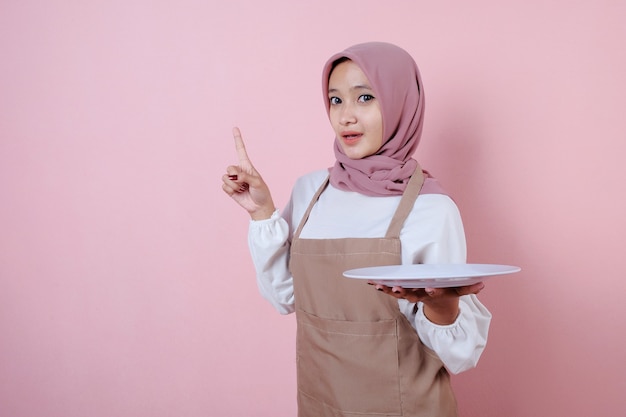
[364, 98]
[335, 100]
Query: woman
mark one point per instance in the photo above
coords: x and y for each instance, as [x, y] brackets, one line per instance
[359, 351]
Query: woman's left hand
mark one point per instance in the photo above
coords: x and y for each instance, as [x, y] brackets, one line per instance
[441, 305]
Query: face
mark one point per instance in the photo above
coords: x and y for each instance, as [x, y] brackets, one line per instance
[355, 113]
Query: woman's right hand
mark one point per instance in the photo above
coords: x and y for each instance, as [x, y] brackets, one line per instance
[244, 184]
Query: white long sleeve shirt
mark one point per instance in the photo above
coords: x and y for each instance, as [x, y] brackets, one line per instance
[432, 233]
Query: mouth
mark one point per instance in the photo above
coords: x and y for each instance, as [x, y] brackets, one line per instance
[350, 137]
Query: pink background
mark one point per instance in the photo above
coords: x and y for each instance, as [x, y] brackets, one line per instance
[125, 284]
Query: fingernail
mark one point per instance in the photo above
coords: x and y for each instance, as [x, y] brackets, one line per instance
[232, 177]
[396, 291]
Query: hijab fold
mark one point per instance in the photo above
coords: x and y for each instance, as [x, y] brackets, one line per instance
[396, 81]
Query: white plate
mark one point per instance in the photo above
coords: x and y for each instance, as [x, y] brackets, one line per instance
[430, 275]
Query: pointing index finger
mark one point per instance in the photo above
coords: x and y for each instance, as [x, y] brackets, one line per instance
[244, 161]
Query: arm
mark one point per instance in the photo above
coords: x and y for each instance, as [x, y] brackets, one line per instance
[269, 245]
[268, 235]
[460, 344]
[434, 234]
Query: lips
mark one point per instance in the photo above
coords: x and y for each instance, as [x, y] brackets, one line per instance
[350, 137]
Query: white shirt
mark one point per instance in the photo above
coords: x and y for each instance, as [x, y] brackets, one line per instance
[433, 233]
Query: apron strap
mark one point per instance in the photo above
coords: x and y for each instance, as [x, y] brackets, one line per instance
[311, 204]
[407, 202]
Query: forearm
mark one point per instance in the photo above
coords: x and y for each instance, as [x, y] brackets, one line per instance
[442, 312]
[263, 212]
[269, 248]
[461, 343]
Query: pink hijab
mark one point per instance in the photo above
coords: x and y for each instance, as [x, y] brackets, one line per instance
[397, 83]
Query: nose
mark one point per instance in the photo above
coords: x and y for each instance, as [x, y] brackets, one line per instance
[347, 115]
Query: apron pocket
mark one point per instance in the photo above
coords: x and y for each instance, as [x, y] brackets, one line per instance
[349, 366]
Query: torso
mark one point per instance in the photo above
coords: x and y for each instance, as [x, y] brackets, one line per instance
[357, 354]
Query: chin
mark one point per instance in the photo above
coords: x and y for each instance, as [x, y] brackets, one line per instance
[353, 155]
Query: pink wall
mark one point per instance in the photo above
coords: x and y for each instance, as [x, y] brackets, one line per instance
[125, 284]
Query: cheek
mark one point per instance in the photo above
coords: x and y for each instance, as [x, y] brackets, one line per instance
[376, 121]
[379, 130]
[333, 119]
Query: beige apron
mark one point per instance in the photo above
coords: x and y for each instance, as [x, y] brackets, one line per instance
[357, 354]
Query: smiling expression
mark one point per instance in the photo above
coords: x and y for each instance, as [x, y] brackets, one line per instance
[355, 113]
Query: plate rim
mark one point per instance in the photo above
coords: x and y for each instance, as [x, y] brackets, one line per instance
[356, 273]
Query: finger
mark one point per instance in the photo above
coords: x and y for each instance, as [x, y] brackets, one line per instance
[230, 179]
[244, 160]
[234, 173]
[410, 294]
[230, 182]
[471, 289]
[398, 290]
[432, 292]
[232, 188]
[385, 289]
[228, 189]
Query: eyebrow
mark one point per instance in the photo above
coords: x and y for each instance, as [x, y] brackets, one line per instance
[355, 87]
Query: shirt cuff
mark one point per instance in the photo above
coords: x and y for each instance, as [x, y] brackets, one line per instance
[460, 344]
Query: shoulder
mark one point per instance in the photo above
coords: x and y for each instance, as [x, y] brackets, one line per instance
[306, 185]
[433, 232]
[436, 212]
[436, 203]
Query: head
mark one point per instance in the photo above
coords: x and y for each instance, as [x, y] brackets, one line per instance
[368, 77]
[354, 111]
